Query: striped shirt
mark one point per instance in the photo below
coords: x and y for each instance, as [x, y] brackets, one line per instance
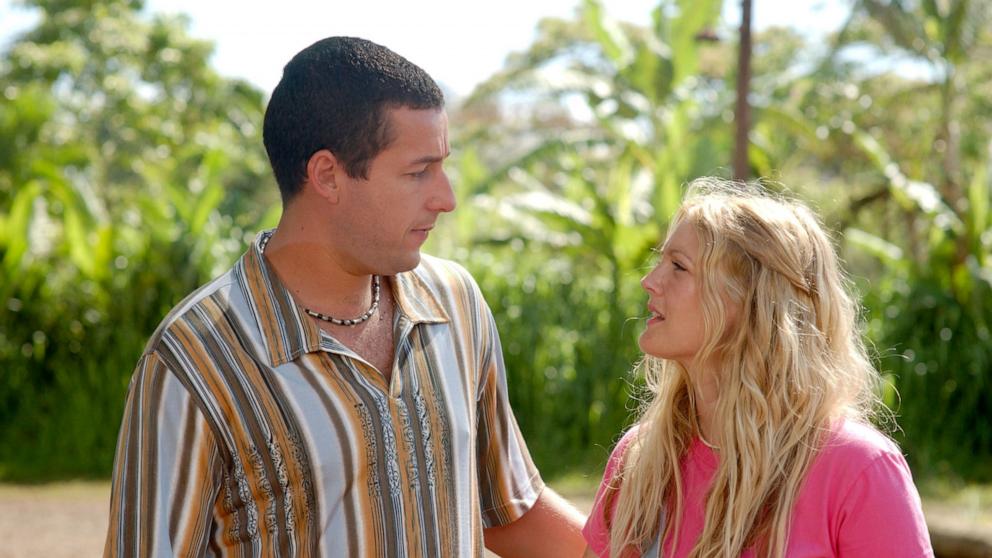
[248, 431]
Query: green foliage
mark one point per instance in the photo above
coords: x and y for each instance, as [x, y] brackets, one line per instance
[934, 303]
[122, 155]
[572, 208]
[901, 164]
[588, 195]
[566, 354]
[932, 316]
[130, 173]
[941, 371]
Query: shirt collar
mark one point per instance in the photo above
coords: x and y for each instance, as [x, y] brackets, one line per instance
[416, 300]
[287, 332]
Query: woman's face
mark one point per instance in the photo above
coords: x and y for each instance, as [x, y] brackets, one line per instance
[675, 327]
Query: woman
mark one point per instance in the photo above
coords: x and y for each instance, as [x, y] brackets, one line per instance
[756, 440]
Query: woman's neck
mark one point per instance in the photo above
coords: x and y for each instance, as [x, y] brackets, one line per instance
[707, 395]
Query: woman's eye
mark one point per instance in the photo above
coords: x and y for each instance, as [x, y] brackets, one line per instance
[678, 266]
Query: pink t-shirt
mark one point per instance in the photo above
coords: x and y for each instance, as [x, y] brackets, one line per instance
[858, 500]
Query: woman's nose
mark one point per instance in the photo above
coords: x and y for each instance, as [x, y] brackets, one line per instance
[650, 281]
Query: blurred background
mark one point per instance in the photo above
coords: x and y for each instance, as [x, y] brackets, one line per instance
[132, 171]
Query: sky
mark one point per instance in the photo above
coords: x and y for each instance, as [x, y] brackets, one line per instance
[459, 42]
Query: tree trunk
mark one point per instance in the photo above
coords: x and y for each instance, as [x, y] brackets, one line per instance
[743, 110]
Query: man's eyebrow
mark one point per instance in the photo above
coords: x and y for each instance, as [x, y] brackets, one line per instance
[429, 159]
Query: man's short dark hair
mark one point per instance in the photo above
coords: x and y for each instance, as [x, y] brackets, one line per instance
[335, 95]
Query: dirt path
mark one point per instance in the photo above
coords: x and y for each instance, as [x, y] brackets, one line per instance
[69, 520]
[53, 521]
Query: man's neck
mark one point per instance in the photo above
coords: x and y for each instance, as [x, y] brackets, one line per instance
[312, 270]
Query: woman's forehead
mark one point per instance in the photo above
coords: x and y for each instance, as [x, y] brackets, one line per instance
[682, 238]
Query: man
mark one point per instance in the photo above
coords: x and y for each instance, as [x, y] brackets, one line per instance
[334, 393]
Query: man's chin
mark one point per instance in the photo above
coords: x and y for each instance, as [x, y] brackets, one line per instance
[407, 263]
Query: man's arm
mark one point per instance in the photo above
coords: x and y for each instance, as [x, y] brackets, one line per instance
[165, 481]
[508, 479]
[551, 528]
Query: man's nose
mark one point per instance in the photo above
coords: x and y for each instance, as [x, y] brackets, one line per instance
[444, 197]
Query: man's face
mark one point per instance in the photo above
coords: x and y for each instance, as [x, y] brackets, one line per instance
[383, 220]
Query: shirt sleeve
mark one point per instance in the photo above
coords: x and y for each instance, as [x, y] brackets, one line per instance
[596, 532]
[509, 483]
[166, 471]
[882, 514]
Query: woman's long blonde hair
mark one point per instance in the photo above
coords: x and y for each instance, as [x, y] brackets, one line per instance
[794, 362]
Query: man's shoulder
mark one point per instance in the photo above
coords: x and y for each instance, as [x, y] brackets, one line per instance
[190, 311]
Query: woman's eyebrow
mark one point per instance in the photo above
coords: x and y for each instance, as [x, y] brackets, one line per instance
[674, 251]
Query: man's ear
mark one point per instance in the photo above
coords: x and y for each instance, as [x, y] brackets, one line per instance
[322, 171]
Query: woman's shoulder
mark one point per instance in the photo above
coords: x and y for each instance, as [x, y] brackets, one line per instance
[851, 449]
[858, 479]
[628, 436]
[620, 448]
[848, 439]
